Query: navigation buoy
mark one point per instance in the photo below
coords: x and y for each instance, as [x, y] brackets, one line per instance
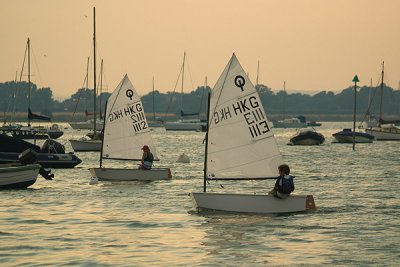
[183, 158]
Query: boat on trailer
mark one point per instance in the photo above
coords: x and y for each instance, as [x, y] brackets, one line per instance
[250, 153]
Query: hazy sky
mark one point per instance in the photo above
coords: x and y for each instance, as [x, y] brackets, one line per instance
[313, 45]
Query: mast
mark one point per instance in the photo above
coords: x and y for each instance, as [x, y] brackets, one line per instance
[369, 99]
[284, 99]
[380, 108]
[29, 79]
[87, 85]
[101, 88]
[102, 141]
[258, 70]
[154, 113]
[206, 146]
[87, 73]
[183, 75]
[94, 69]
[355, 80]
[15, 96]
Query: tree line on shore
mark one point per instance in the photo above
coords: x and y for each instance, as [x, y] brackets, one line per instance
[14, 98]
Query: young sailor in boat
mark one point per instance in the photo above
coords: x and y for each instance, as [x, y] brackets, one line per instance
[284, 184]
[147, 158]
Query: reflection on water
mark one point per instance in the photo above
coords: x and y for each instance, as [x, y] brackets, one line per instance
[69, 222]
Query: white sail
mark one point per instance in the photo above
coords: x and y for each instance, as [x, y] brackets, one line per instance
[126, 129]
[241, 144]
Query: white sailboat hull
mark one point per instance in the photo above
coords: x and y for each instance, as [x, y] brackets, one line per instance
[349, 139]
[250, 203]
[385, 133]
[115, 174]
[87, 125]
[86, 145]
[184, 126]
[18, 176]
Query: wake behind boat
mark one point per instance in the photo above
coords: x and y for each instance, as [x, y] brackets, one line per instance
[241, 146]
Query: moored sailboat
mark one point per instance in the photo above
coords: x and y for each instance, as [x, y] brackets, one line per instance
[386, 130]
[187, 121]
[29, 131]
[94, 144]
[241, 146]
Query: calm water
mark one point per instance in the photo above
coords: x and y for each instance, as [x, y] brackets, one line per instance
[67, 222]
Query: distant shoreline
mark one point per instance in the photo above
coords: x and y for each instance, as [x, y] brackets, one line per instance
[80, 116]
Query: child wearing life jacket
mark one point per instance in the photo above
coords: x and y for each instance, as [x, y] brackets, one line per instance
[284, 184]
[147, 158]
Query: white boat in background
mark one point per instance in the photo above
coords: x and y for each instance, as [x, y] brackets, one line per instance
[386, 130]
[155, 122]
[241, 146]
[186, 122]
[125, 133]
[185, 125]
[87, 125]
[14, 176]
[295, 122]
[289, 123]
[85, 144]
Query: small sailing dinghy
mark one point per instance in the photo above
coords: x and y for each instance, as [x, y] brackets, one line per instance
[125, 133]
[248, 152]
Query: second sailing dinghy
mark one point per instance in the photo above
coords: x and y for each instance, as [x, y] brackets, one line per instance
[125, 133]
[248, 152]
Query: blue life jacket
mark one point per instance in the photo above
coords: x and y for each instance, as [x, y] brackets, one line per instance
[287, 186]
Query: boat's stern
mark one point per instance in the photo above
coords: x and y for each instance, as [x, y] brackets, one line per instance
[310, 204]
